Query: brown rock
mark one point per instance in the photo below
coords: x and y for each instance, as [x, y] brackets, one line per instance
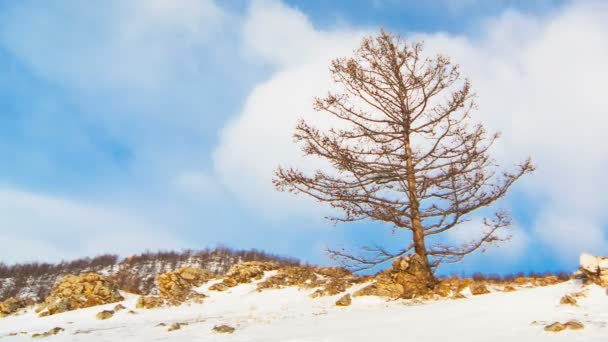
[105, 314]
[574, 325]
[478, 289]
[408, 278]
[176, 287]
[12, 305]
[292, 276]
[594, 269]
[82, 291]
[245, 272]
[119, 307]
[224, 329]
[508, 288]
[174, 326]
[51, 332]
[219, 287]
[344, 300]
[567, 300]
[149, 302]
[555, 327]
[458, 296]
[333, 272]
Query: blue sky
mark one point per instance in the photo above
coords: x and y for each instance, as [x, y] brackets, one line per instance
[156, 124]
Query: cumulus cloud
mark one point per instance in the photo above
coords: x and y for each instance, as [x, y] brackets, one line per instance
[50, 228]
[260, 138]
[539, 81]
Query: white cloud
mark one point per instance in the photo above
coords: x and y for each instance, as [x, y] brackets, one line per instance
[50, 228]
[124, 45]
[539, 80]
[260, 139]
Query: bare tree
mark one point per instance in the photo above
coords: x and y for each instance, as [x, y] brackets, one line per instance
[406, 153]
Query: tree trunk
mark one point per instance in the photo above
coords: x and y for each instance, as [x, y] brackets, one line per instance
[417, 231]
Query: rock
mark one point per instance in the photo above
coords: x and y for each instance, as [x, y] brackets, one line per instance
[149, 302]
[105, 314]
[132, 312]
[79, 291]
[567, 300]
[547, 280]
[574, 325]
[594, 269]
[119, 307]
[245, 272]
[174, 326]
[51, 332]
[458, 296]
[161, 324]
[555, 327]
[344, 300]
[508, 288]
[292, 276]
[333, 272]
[225, 329]
[176, 287]
[408, 278]
[443, 289]
[478, 289]
[219, 287]
[12, 305]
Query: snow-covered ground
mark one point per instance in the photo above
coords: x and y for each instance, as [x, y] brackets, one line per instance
[291, 315]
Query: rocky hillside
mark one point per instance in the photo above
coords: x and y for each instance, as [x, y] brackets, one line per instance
[264, 301]
[135, 274]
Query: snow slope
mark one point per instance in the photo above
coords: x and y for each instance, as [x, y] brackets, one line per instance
[291, 315]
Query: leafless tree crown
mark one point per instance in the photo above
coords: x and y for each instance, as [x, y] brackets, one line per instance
[406, 152]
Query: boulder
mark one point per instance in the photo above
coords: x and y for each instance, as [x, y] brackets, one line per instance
[594, 269]
[508, 288]
[149, 302]
[79, 291]
[105, 314]
[292, 276]
[567, 300]
[555, 327]
[176, 287]
[245, 272]
[12, 305]
[478, 289]
[224, 329]
[407, 278]
[51, 332]
[344, 300]
[574, 325]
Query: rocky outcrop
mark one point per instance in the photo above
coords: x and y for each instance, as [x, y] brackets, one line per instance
[407, 278]
[594, 269]
[12, 305]
[176, 287]
[329, 280]
[79, 291]
[149, 302]
[292, 276]
[244, 273]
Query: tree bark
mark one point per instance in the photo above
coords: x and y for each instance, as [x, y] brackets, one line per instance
[417, 229]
